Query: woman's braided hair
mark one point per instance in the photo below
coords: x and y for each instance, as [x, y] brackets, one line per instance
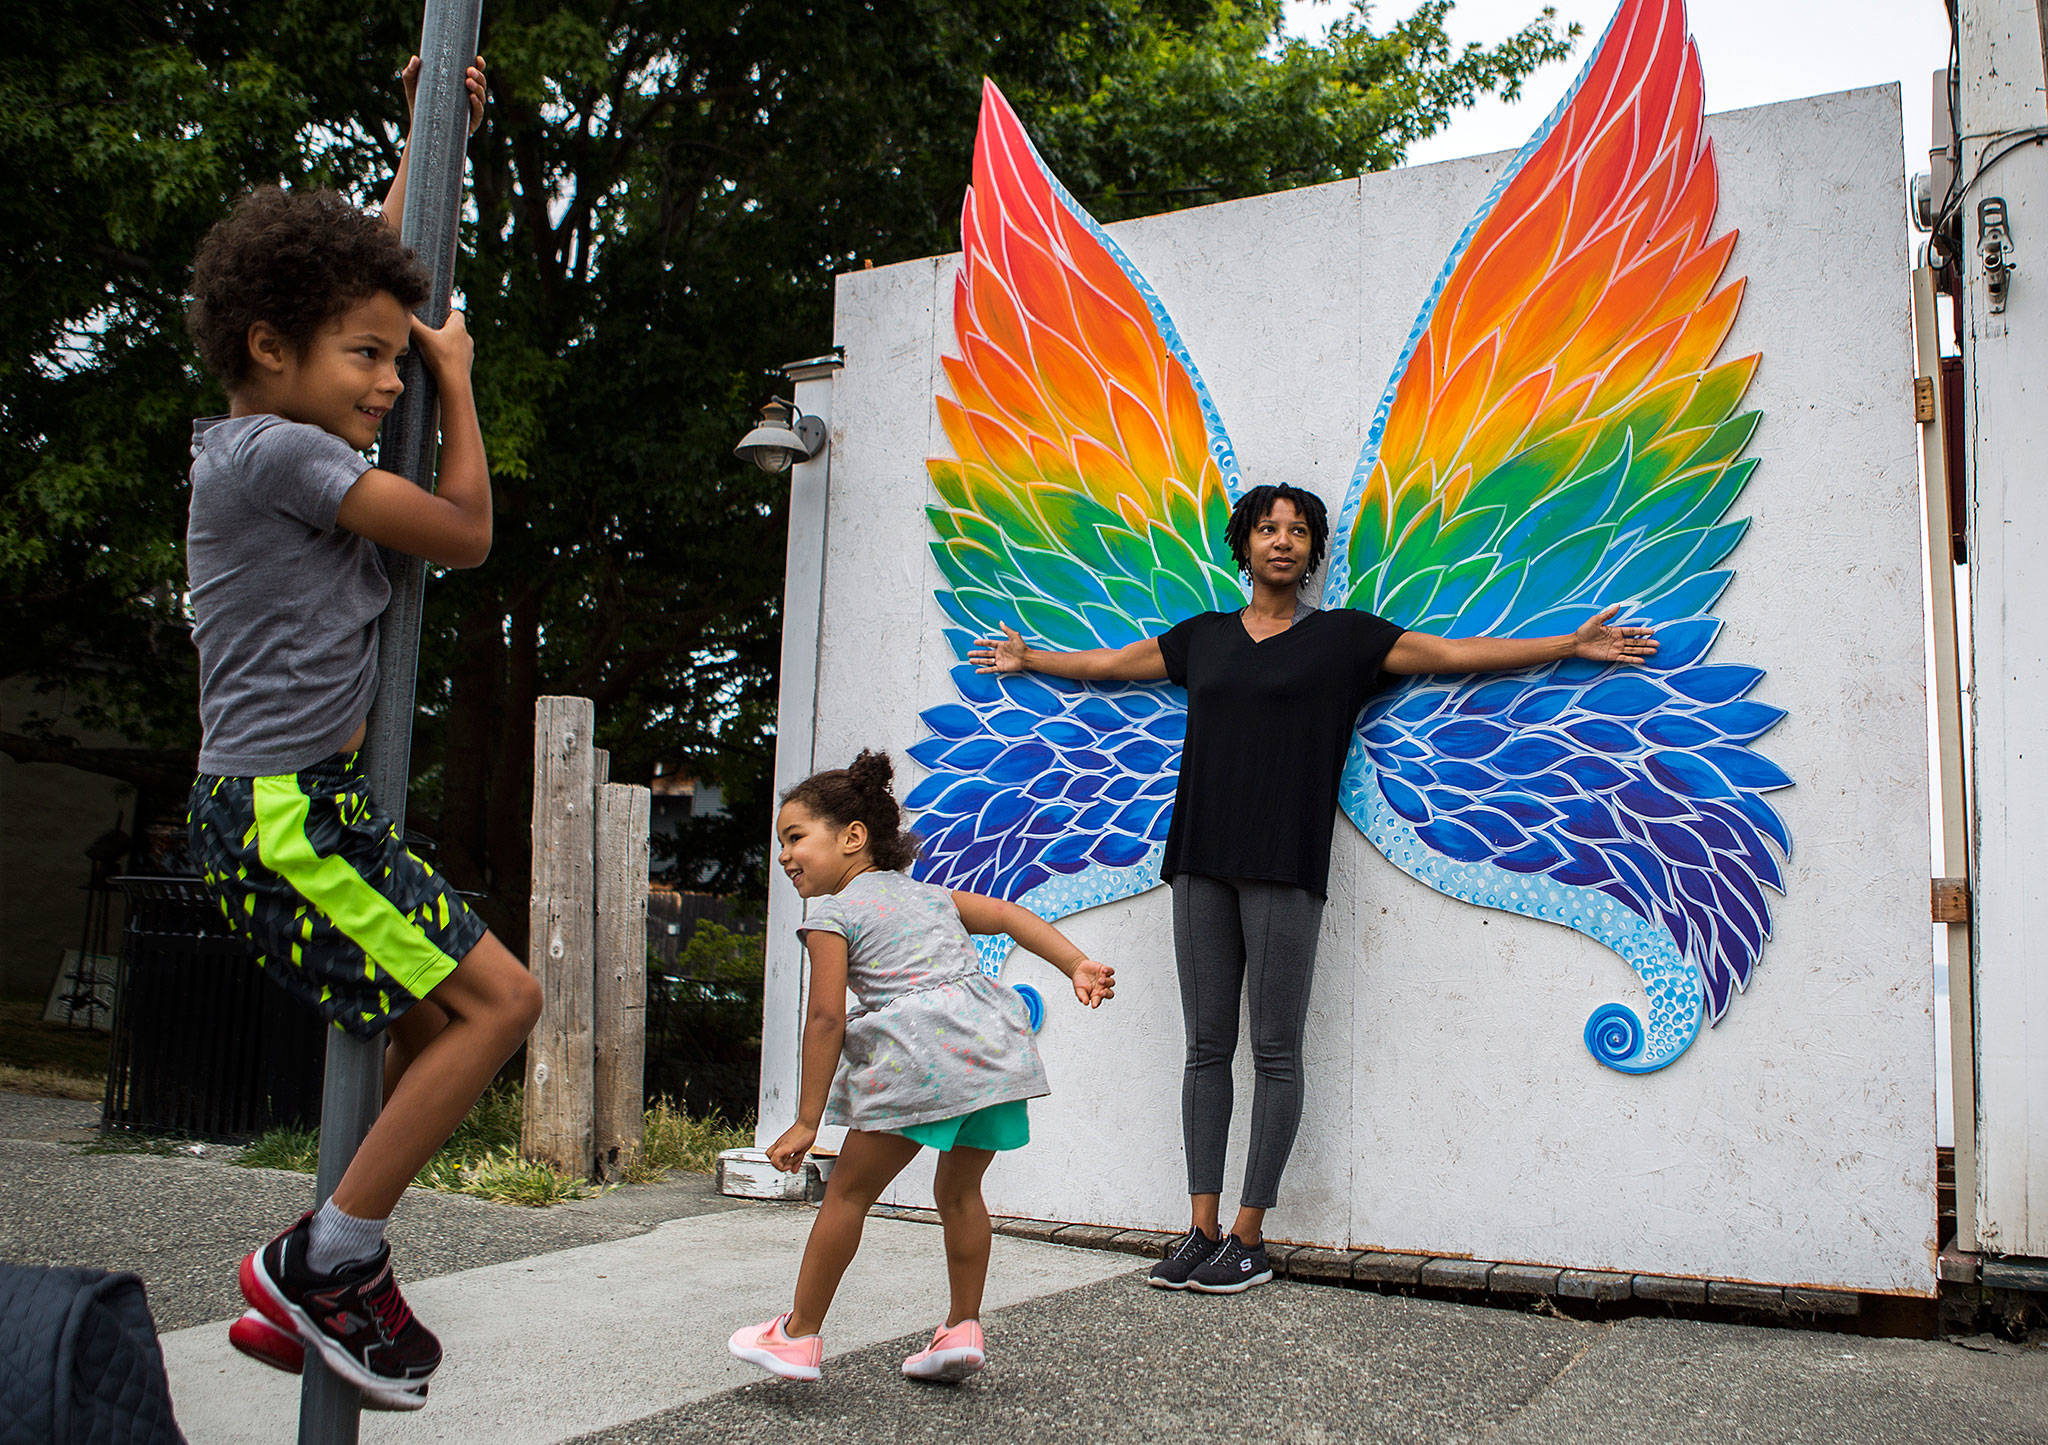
[863, 792]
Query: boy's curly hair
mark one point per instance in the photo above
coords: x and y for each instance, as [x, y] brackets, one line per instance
[296, 259]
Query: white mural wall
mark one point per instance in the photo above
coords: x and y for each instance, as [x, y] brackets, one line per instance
[1452, 1106]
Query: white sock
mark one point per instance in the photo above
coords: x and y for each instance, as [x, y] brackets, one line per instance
[336, 1239]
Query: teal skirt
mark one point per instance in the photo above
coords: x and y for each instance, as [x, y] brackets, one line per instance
[999, 1126]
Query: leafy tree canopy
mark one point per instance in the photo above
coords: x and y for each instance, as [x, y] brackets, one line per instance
[661, 197]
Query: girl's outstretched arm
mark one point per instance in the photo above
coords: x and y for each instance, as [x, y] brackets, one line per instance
[824, 1032]
[1093, 982]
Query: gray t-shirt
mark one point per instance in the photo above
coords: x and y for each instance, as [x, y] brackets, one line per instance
[284, 603]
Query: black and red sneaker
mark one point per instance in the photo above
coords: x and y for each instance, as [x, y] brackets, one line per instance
[355, 1317]
[255, 1336]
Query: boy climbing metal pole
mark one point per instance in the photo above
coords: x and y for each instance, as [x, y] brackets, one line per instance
[298, 549]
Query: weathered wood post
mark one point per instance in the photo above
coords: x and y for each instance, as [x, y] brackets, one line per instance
[619, 1006]
[562, 922]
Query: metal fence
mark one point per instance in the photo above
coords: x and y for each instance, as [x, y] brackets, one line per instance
[703, 1034]
[704, 1044]
[203, 1044]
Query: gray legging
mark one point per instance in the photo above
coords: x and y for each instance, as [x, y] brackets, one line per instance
[1223, 930]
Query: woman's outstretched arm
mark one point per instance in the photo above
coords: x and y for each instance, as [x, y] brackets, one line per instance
[1596, 641]
[1136, 662]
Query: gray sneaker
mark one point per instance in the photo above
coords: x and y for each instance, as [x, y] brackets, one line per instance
[1231, 1268]
[1182, 1260]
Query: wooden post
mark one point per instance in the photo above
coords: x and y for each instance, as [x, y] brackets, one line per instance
[557, 1123]
[1950, 774]
[619, 1005]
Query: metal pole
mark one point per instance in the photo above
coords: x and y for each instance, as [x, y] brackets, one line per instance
[352, 1092]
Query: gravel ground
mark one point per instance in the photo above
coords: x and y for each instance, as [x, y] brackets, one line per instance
[1307, 1363]
[184, 1223]
[1120, 1360]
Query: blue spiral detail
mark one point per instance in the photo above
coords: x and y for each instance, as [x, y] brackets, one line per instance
[1033, 1001]
[1672, 984]
[1614, 1036]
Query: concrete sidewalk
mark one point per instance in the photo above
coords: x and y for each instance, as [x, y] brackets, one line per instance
[605, 1320]
[548, 1348]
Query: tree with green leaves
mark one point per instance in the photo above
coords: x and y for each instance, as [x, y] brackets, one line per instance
[661, 196]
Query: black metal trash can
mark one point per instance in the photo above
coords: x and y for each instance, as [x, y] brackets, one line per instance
[204, 1045]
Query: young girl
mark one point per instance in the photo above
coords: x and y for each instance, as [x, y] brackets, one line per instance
[939, 1054]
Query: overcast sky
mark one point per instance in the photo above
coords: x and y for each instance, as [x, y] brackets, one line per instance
[1751, 51]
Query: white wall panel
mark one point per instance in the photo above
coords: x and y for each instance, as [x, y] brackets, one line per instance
[1452, 1105]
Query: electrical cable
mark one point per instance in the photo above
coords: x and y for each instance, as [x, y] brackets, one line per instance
[1958, 189]
[2018, 140]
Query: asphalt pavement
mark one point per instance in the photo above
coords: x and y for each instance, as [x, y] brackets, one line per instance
[603, 1321]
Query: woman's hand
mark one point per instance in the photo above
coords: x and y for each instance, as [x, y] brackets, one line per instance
[999, 654]
[787, 1153]
[1596, 641]
[1093, 982]
[474, 79]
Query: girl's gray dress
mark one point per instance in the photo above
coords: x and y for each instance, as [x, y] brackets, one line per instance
[934, 1037]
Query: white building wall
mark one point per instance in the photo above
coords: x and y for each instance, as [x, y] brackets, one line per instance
[1452, 1106]
[796, 706]
[2006, 361]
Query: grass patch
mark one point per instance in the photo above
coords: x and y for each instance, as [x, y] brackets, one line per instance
[50, 1083]
[285, 1147]
[26, 1042]
[482, 1157]
[671, 1139]
[501, 1175]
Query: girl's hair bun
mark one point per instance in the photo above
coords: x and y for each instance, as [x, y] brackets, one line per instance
[864, 793]
[873, 774]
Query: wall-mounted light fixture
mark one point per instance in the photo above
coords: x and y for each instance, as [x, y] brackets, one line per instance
[783, 436]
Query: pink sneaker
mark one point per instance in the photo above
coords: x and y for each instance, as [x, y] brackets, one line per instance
[956, 1351]
[770, 1347]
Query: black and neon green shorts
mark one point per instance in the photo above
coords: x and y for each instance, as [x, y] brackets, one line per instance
[310, 870]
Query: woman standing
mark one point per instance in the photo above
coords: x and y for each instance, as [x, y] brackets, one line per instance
[1274, 692]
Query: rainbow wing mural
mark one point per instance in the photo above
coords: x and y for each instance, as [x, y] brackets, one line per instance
[1559, 434]
[1085, 504]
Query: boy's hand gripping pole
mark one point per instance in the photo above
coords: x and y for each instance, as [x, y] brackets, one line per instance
[329, 1409]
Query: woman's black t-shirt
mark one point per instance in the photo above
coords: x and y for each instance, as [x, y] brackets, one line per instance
[1269, 724]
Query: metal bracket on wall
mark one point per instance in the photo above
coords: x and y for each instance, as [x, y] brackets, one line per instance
[1994, 249]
